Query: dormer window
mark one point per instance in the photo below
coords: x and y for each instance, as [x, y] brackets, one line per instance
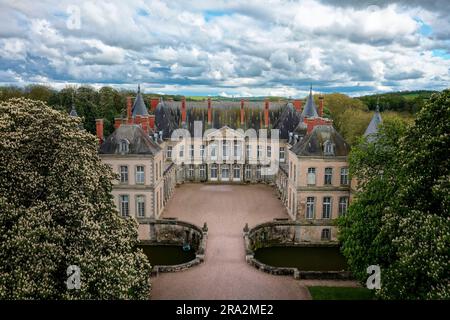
[124, 146]
[328, 148]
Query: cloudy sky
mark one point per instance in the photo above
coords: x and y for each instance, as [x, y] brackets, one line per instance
[230, 48]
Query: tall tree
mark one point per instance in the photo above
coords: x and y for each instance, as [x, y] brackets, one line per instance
[56, 210]
[400, 218]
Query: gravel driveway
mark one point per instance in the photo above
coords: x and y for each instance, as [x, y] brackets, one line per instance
[224, 274]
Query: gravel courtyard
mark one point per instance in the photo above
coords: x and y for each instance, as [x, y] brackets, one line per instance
[224, 274]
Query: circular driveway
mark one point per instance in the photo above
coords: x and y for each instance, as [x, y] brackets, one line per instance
[224, 274]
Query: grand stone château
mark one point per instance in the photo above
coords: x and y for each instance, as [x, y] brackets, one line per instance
[295, 148]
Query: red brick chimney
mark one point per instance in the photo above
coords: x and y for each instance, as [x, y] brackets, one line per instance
[242, 112]
[151, 121]
[144, 123]
[298, 105]
[266, 113]
[320, 106]
[99, 129]
[153, 104]
[129, 106]
[209, 111]
[117, 122]
[183, 110]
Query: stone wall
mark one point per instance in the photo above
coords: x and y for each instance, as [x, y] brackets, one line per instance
[285, 233]
[170, 231]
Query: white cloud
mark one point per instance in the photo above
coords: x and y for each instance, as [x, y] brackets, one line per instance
[231, 47]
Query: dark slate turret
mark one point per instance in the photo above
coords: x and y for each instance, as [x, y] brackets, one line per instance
[310, 109]
[372, 128]
[139, 108]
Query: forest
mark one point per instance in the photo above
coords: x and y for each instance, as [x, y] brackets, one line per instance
[350, 115]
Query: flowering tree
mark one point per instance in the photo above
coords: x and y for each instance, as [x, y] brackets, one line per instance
[56, 210]
[400, 219]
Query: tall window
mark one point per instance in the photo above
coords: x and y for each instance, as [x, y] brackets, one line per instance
[258, 172]
[214, 171]
[124, 174]
[182, 151]
[282, 154]
[311, 176]
[191, 151]
[344, 176]
[191, 171]
[124, 205]
[269, 152]
[235, 149]
[202, 151]
[310, 207]
[225, 149]
[225, 171]
[343, 205]
[236, 172]
[295, 173]
[248, 172]
[259, 150]
[140, 206]
[328, 175]
[326, 234]
[213, 148]
[326, 208]
[124, 146]
[157, 202]
[169, 152]
[248, 151]
[202, 171]
[140, 174]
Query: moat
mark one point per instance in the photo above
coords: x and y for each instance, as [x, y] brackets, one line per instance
[303, 258]
[166, 255]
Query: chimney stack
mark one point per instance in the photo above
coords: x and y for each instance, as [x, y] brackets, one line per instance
[117, 122]
[183, 110]
[298, 105]
[153, 104]
[144, 124]
[129, 106]
[99, 129]
[266, 113]
[209, 112]
[321, 106]
[242, 112]
[151, 121]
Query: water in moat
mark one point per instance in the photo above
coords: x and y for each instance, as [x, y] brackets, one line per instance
[303, 258]
[167, 254]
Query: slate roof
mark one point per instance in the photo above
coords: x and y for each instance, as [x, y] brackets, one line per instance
[139, 141]
[73, 112]
[375, 122]
[310, 109]
[287, 121]
[313, 143]
[139, 108]
[224, 113]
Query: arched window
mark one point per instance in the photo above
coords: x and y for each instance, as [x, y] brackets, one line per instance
[124, 146]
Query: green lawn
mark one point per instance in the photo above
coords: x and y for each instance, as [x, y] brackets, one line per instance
[340, 293]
